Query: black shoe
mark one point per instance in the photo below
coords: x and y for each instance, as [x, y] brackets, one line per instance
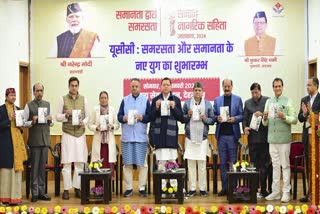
[4, 204]
[34, 198]
[44, 197]
[142, 193]
[128, 193]
[65, 195]
[203, 194]
[191, 193]
[78, 193]
[304, 199]
[16, 204]
[222, 193]
[264, 194]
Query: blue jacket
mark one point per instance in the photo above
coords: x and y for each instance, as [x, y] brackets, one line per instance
[137, 132]
[236, 111]
[164, 129]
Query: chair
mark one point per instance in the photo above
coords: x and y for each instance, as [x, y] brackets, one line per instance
[243, 154]
[209, 166]
[149, 152]
[297, 158]
[58, 167]
[181, 162]
[48, 168]
[116, 169]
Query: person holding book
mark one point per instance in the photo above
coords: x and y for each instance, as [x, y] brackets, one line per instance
[133, 115]
[279, 114]
[197, 116]
[12, 151]
[103, 121]
[73, 112]
[228, 111]
[38, 119]
[257, 135]
[166, 111]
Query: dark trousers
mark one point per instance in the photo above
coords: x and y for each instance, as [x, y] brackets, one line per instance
[259, 155]
[227, 147]
[39, 158]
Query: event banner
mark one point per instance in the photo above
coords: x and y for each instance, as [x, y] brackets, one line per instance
[106, 43]
[181, 87]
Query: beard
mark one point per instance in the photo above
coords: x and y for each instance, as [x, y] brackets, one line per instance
[74, 29]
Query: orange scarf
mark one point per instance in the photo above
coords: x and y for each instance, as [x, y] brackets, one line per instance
[19, 148]
[84, 44]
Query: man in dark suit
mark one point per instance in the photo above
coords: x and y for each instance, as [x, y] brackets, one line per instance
[38, 140]
[309, 103]
[228, 112]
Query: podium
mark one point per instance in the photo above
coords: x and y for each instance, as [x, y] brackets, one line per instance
[314, 154]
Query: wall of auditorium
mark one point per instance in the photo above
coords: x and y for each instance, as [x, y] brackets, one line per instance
[313, 31]
[187, 41]
[13, 43]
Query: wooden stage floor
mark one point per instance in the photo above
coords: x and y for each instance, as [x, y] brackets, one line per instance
[117, 200]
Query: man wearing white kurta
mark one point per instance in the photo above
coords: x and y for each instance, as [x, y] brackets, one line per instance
[198, 115]
[73, 143]
[279, 114]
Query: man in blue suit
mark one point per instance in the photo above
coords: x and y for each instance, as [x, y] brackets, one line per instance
[228, 111]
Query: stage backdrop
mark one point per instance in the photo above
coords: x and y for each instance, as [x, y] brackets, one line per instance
[187, 41]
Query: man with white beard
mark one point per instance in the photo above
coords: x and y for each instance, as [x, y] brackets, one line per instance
[76, 42]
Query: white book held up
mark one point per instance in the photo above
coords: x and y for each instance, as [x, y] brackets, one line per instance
[42, 113]
[224, 113]
[76, 117]
[19, 118]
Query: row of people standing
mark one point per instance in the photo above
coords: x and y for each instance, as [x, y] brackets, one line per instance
[164, 113]
[198, 114]
[271, 138]
[13, 152]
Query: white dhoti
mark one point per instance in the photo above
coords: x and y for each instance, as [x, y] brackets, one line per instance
[73, 149]
[162, 156]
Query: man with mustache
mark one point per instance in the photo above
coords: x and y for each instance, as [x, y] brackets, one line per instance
[228, 112]
[257, 135]
[76, 42]
[260, 44]
[39, 120]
